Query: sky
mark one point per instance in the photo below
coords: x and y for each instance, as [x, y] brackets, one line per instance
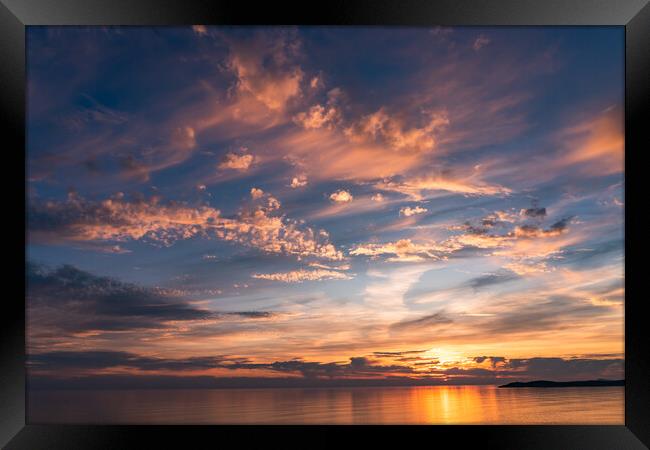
[246, 206]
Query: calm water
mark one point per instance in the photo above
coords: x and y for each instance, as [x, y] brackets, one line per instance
[385, 405]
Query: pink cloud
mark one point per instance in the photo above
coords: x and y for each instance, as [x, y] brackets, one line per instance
[341, 196]
[298, 276]
[265, 70]
[595, 146]
[116, 219]
[236, 162]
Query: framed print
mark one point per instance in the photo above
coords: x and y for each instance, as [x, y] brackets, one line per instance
[383, 219]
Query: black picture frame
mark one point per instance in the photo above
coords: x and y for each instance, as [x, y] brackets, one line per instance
[634, 15]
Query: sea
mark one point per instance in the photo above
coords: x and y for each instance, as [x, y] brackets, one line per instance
[333, 405]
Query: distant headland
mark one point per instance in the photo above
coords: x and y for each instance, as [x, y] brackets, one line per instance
[555, 384]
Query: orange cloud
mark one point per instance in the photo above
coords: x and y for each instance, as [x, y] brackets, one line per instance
[403, 250]
[525, 246]
[200, 29]
[380, 126]
[329, 154]
[596, 146]
[298, 276]
[256, 193]
[317, 116]
[236, 162]
[341, 196]
[264, 69]
[418, 188]
[116, 219]
[299, 181]
[408, 211]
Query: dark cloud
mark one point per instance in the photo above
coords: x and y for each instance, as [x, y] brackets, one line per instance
[252, 314]
[392, 354]
[549, 313]
[58, 361]
[494, 360]
[102, 302]
[561, 225]
[105, 359]
[357, 366]
[552, 369]
[555, 369]
[427, 321]
[535, 212]
[73, 300]
[480, 230]
[571, 368]
[491, 279]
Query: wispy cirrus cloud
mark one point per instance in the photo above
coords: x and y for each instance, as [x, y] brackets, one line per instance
[594, 146]
[419, 188]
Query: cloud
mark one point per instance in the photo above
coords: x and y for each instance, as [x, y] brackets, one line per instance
[178, 148]
[490, 280]
[378, 197]
[509, 238]
[594, 146]
[427, 370]
[52, 362]
[329, 154]
[101, 359]
[265, 69]
[72, 300]
[341, 196]
[256, 193]
[403, 250]
[424, 322]
[396, 354]
[317, 116]
[200, 29]
[236, 162]
[408, 211]
[534, 212]
[91, 112]
[568, 368]
[480, 42]
[494, 360]
[274, 234]
[251, 314]
[329, 266]
[298, 276]
[299, 181]
[503, 369]
[541, 313]
[531, 231]
[117, 219]
[380, 126]
[419, 188]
